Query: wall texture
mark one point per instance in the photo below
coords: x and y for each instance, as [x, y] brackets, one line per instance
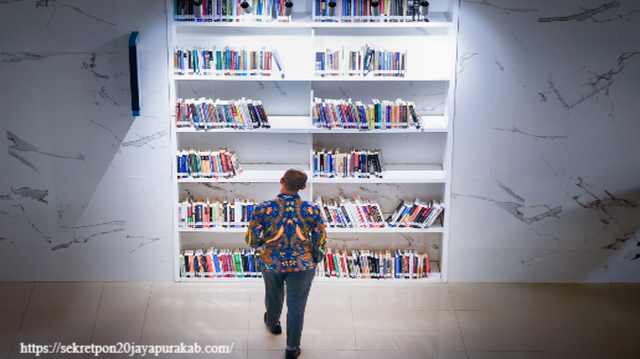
[547, 142]
[546, 154]
[85, 189]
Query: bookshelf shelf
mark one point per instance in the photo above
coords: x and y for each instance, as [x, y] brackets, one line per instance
[415, 161]
[304, 20]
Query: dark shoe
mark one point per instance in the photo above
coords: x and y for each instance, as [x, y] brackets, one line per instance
[275, 330]
[292, 354]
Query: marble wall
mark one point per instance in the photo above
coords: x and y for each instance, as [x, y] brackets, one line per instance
[85, 187]
[546, 154]
[546, 169]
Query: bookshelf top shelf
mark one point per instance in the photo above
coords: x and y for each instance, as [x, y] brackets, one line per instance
[305, 20]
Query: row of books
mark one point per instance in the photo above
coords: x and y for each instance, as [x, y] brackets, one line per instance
[226, 61]
[388, 264]
[227, 10]
[195, 163]
[216, 214]
[360, 61]
[358, 213]
[246, 263]
[385, 114]
[213, 262]
[204, 114]
[357, 163]
[416, 214]
[362, 10]
[351, 213]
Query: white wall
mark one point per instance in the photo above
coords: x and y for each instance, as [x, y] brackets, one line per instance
[85, 188]
[547, 142]
[546, 158]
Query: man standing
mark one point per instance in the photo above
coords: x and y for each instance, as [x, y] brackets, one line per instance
[292, 234]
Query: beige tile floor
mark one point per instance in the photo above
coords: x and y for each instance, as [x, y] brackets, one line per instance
[360, 320]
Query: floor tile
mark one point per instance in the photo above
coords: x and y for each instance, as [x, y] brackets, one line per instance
[420, 331]
[9, 325]
[16, 354]
[364, 354]
[305, 354]
[50, 326]
[329, 296]
[593, 331]
[491, 296]
[114, 327]
[15, 295]
[328, 329]
[401, 296]
[497, 330]
[223, 327]
[4, 354]
[125, 296]
[550, 355]
[199, 296]
[66, 296]
[259, 336]
[586, 297]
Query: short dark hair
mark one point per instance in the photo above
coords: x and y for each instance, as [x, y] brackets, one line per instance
[294, 179]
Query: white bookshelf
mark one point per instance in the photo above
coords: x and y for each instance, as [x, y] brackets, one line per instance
[417, 162]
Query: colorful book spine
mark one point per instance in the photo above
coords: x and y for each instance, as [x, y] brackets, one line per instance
[226, 61]
[358, 163]
[194, 163]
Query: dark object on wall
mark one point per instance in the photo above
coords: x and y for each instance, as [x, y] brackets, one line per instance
[134, 73]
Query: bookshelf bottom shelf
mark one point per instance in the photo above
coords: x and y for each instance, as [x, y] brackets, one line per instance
[434, 277]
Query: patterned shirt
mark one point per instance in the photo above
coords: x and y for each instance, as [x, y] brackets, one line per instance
[291, 231]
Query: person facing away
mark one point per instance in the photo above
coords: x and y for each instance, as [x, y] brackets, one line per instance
[292, 235]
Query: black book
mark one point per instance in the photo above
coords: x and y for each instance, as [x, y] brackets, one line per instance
[254, 117]
[395, 212]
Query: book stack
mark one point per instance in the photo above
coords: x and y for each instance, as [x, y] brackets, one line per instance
[366, 264]
[212, 262]
[357, 163]
[360, 11]
[360, 61]
[217, 214]
[208, 164]
[205, 114]
[416, 214]
[345, 114]
[221, 11]
[227, 61]
[351, 213]
[397, 264]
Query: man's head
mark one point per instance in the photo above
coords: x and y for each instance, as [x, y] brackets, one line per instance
[294, 180]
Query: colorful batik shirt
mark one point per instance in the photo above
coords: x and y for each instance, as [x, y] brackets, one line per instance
[291, 232]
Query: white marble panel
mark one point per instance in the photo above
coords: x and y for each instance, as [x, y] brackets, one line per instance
[546, 265]
[474, 76]
[146, 149]
[149, 230]
[498, 26]
[58, 24]
[148, 18]
[17, 20]
[472, 142]
[577, 25]
[517, 153]
[628, 39]
[485, 265]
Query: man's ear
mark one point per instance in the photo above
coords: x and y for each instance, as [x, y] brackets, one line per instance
[303, 187]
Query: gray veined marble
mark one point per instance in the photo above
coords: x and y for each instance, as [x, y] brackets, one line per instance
[83, 234]
[23, 146]
[517, 207]
[54, 4]
[501, 8]
[536, 137]
[606, 205]
[464, 61]
[584, 15]
[145, 140]
[594, 84]
[144, 241]
[27, 192]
